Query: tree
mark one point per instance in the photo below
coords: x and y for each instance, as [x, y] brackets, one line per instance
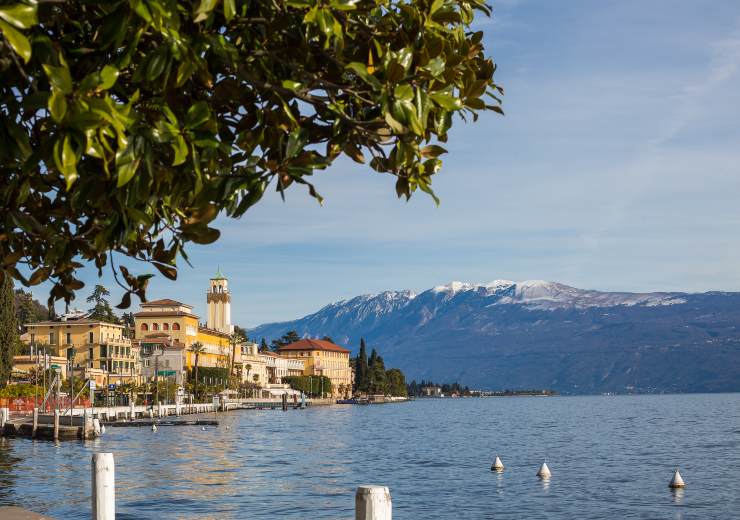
[241, 331]
[286, 339]
[361, 371]
[126, 128]
[236, 338]
[263, 345]
[28, 310]
[327, 338]
[101, 309]
[197, 349]
[396, 383]
[8, 328]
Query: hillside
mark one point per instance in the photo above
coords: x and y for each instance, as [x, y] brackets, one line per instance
[539, 334]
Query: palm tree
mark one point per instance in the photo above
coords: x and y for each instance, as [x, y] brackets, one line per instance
[255, 378]
[248, 367]
[235, 339]
[197, 348]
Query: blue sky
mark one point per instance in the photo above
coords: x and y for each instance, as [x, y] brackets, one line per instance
[615, 168]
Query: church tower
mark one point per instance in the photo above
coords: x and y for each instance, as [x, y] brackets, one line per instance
[219, 304]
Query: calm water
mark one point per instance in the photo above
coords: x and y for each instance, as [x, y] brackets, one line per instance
[611, 457]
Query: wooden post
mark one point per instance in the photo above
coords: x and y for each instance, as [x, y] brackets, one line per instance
[35, 422]
[103, 487]
[56, 425]
[4, 416]
[373, 503]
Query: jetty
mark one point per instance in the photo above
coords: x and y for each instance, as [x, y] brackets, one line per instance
[79, 422]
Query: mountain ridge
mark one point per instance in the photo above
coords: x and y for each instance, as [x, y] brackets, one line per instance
[505, 334]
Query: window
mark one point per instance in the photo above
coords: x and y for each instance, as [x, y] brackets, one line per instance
[33, 338]
[144, 326]
[91, 337]
[155, 326]
[69, 338]
[165, 326]
[175, 326]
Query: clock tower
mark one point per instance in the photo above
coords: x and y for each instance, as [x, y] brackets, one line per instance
[219, 304]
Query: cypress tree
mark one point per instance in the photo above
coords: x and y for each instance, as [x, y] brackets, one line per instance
[8, 328]
[361, 369]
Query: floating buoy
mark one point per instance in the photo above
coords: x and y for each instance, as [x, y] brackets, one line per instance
[154, 427]
[203, 428]
[544, 472]
[102, 428]
[676, 481]
[497, 465]
[227, 427]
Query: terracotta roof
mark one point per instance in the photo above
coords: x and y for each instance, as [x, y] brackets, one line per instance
[213, 332]
[314, 344]
[165, 301]
[157, 314]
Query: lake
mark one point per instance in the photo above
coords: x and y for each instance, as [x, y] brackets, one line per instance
[610, 457]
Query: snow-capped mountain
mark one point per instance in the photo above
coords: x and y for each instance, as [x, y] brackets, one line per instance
[506, 334]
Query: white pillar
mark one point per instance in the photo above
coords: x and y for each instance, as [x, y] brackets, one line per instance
[96, 426]
[56, 425]
[103, 487]
[373, 503]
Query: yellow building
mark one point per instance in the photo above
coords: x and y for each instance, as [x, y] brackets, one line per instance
[177, 320]
[94, 345]
[322, 358]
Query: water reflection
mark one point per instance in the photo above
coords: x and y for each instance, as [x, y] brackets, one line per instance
[307, 464]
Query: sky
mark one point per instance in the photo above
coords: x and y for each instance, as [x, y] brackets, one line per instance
[615, 167]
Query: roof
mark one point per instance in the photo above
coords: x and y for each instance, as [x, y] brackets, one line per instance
[218, 275]
[157, 314]
[213, 332]
[82, 321]
[166, 301]
[314, 344]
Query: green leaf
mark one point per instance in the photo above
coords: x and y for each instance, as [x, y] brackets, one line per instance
[108, 77]
[197, 114]
[446, 100]
[66, 160]
[296, 139]
[432, 150]
[21, 15]
[344, 5]
[157, 63]
[126, 165]
[59, 78]
[229, 9]
[180, 148]
[57, 105]
[17, 40]
[361, 71]
[204, 9]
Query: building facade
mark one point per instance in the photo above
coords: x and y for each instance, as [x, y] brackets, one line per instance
[322, 358]
[88, 344]
[219, 305]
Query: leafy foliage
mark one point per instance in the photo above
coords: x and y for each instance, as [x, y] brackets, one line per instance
[101, 309]
[8, 330]
[127, 127]
[27, 309]
[371, 376]
[286, 339]
[312, 386]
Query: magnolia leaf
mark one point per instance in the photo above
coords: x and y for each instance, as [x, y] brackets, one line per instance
[21, 15]
[17, 41]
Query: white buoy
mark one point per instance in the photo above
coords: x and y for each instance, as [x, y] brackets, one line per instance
[227, 427]
[497, 465]
[544, 472]
[203, 428]
[154, 427]
[102, 428]
[677, 481]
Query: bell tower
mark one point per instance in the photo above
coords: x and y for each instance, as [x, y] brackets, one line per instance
[219, 304]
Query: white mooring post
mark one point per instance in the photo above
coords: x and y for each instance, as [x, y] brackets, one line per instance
[103, 487]
[373, 503]
[56, 425]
